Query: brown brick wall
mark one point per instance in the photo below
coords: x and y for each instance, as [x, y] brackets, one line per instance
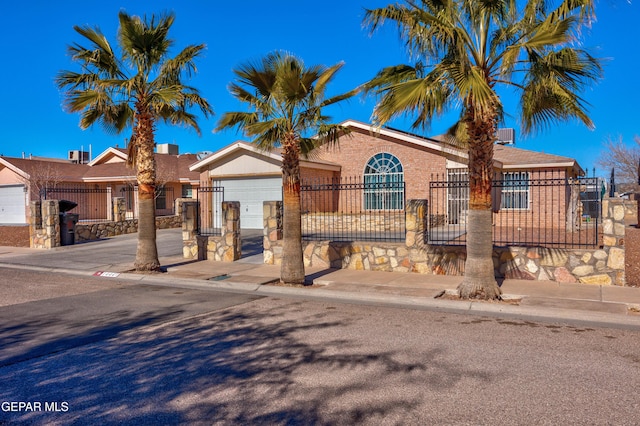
[548, 203]
[355, 150]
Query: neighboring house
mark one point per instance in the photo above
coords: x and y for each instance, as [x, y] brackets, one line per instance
[23, 179]
[372, 155]
[174, 178]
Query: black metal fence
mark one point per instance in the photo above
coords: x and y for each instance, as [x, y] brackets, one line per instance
[530, 209]
[164, 203]
[353, 209]
[130, 195]
[209, 219]
[93, 204]
[96, 204]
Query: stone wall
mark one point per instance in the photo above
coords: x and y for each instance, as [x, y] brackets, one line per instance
[95, 231]
[603, 265]
[190, 248]
[44, 224]
[272, 237]
[226, 247]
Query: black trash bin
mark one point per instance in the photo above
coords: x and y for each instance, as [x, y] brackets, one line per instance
[67, 222]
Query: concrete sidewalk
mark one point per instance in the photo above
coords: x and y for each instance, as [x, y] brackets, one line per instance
[529, 299]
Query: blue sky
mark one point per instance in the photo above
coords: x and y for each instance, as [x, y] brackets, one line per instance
[34, 37]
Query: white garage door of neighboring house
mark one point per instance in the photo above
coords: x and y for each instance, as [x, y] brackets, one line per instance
[12, 204]
[251, 193]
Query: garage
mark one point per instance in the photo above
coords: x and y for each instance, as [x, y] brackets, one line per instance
[251, 193]
[251, 176]
[12, 204]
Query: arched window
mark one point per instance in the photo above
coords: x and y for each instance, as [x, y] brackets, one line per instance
[383, 183]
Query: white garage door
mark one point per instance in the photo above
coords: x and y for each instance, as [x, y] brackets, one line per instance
[251, 193]
[12, 204]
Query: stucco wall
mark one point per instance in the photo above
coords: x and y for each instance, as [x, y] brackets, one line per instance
[9, 177]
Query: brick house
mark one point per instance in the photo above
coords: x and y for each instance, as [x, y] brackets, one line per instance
[106, 176]
[372, 155]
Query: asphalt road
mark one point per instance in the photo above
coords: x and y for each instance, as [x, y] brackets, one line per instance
[120, 353]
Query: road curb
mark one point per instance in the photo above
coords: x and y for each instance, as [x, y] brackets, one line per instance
[479, 308]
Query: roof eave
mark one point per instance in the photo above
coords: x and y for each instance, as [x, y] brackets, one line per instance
[424, 142]
[15, 169]
[197, 167]
[106, 153]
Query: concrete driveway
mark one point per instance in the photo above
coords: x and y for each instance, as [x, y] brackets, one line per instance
[121, 251]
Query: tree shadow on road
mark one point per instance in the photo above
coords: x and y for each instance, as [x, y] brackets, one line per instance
[235, 366]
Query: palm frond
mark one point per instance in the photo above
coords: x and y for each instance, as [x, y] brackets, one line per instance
[474, 46]
[236, 119]
[108, 90]
[284, 97]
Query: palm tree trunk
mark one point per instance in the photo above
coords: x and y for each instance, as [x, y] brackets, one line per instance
[479, 276]
[147, 252]
[292, 268]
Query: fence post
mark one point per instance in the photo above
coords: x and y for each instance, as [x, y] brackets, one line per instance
[415, 222]
[44, 224]
[272, 234]
[613, 227]
[231, 231]
[190, 231]
[110, 206]
[119, 212]
[135, 202]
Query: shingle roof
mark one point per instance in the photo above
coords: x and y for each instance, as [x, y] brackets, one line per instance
[170, 168]
[510, 155]
[506, 156]
[63, 171]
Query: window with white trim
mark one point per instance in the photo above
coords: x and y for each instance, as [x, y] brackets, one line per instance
[515, 190]
[383, 183]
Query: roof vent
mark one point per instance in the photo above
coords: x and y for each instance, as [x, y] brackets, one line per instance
[203, 154]
[506, 137]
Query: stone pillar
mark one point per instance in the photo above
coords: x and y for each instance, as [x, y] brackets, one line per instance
[190, 231]
[231, 238]
[613, 230]
[227, 247]
[272, 234]
[119, 209]
[44, 224]
[416, 214]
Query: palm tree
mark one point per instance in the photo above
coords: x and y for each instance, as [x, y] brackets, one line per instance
[135, 90]
[286, 99]
[466, 50]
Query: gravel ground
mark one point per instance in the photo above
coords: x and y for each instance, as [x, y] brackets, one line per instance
[14, 236]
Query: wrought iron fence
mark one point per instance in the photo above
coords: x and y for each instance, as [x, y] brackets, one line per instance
[353, 208]
[130, 195]
[164, 200]
[530, 209]
[209, 219]
[93, 204]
